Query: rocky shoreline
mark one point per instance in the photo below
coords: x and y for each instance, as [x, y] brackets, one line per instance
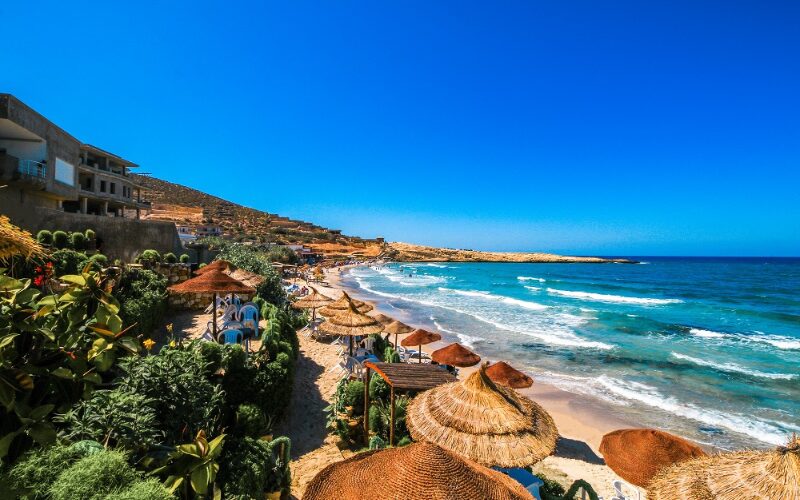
[406, 252]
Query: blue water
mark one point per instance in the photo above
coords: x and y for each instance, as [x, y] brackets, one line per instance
[708, 348]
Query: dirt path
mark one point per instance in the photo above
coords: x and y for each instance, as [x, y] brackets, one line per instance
[314, 385]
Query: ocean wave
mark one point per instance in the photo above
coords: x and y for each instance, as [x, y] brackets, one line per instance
[531, 278]
[534, 306]
[441, 266]
[733, 368]
[533, 288]
[779, 341]
[615, 299]
[467, 340]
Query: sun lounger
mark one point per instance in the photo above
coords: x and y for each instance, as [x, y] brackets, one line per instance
[620, 495]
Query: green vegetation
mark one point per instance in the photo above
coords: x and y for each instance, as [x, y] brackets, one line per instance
[143, 295]
[184, 258]
[170, 258]
[90, 234]
[78, 241]
[44, 237]
[60, 239]
[66, 261]
[149, 257]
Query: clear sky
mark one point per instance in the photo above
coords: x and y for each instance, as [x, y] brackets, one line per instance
[610, 128]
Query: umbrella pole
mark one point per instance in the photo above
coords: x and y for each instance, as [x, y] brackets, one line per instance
[214, 316]
[391, 417]
[395, 341]
[366, 405]
[420, 354]
[350, 341]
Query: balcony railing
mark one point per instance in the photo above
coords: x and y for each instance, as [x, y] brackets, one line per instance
[32, 168]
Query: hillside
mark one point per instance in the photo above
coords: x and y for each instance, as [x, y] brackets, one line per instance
[236, 221]
[406, 252]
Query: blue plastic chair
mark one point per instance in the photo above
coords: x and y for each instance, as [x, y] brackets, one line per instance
[525, 478]
[248, 317]
[232, 336]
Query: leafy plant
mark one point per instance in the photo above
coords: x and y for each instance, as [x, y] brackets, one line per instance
[149, 489]
[60, 239]
[251, 421]
[149, 257]
[170, 258]
[143, 295]
[193, 465]
[67, 261]
[36, 471]
[94, 477]
[184, 258]
[44, 237]
[90, 234]
[78, 241]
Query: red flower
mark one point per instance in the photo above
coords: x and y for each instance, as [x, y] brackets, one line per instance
[38, 280]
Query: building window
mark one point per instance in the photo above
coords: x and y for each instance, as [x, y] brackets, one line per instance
[113, 188]
[65, 172]
[102, 186]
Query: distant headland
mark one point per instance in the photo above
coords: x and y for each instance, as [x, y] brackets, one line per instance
[407, 252]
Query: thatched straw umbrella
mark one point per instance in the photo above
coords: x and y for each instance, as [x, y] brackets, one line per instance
[397, 328]
[420, 337]
[246, 277]
[733, 476]
[504, 374]
[351, 323]
[383, 318]
[312, 301]
[455, 355]
[487, 423]
[15, 241]
[637, 455]
[217, 265]
[343, 304]
[214, 282]
[419, 470]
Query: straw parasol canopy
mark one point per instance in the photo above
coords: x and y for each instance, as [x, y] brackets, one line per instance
[504, 374]
[16, 241]
[487, 423]
[312, 300]
[351, 322]
[384, 318]
[733, 476]
[420, 337]
[246, 277]
[639, 454]
[419, 470]
[214, 281]
[217, 265]
[396, 328]
[455, 355]
[343, 304]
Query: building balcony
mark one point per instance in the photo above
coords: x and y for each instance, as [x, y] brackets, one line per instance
[22, 170]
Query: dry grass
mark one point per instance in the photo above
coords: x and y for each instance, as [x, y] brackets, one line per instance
[16, 242]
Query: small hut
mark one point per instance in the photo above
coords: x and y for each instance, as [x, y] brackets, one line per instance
[637, 455]
[484, 422]
[419, 470]
[504, 374]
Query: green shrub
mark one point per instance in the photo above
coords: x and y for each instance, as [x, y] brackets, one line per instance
[251, 421]
[246, 468]
[78, 241]
[376, 443]
[60, 239]
[550, 488]
[94, 477]
[184, 258]
[44, 237]
[67, 261]
[149, 257]
[354, 396]
[36, 471]
[90, 234]
[143, 298]
[98, 261]
[149, 489]
[170, 258]
[377, 422]
[378, 388]
[124, 419]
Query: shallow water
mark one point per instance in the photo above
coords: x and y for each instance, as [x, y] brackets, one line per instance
[708, 348]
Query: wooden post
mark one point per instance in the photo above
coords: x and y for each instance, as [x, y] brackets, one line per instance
[366, 406]
[420, 353]
[214, 316]
[391, 416]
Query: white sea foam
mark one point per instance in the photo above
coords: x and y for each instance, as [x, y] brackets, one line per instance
[531, 278]
[467, 340]
[709, 334]
[490, 296]
[533, 288]
[615, 299]
[733, 368]
[431, 264]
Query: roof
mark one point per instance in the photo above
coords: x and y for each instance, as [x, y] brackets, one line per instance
[96, 150]
[413, 377]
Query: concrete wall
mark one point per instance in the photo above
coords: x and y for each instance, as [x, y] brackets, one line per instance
[122, 238]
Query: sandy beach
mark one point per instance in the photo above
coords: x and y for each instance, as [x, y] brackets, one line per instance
[581, 425]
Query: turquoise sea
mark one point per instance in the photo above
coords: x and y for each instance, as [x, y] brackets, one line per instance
[705, 347]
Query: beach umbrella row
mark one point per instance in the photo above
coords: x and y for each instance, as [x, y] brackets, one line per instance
[351, 322]
[312, 301]
[397, 328]
[420, 337]
[455, 355]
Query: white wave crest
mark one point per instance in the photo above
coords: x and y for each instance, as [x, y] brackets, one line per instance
[490, 296]
[531, 278]
[533, 288]
[779, 341]
[615, 299]
[709, 334]
[733, 368]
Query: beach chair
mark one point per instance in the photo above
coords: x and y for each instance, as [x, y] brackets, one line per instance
[620, 495]
[368, 343]
[231, 336]
[248, 317]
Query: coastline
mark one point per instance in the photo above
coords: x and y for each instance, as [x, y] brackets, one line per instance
[408, 252]
[581, 422]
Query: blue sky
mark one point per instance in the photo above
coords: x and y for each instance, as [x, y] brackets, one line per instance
[612, 128]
